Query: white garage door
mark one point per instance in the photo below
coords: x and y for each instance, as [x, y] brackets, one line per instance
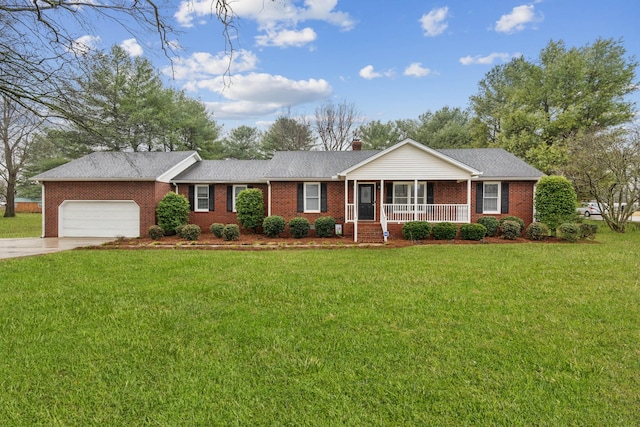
[99, 218]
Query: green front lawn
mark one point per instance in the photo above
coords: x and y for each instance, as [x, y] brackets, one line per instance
[22, 225]
[514, 334]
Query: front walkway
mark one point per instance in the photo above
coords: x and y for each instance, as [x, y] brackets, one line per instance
[15, 248]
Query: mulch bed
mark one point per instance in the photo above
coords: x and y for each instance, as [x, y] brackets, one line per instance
[262, 242]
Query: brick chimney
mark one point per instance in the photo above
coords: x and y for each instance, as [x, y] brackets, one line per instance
[356, 144]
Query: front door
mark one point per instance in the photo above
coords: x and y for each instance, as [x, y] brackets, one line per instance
[366, 202]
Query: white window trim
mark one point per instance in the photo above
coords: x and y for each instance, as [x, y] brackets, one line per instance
[410, 191]
[196, 198]
[304, 197]
[244, 187]
[484, 197]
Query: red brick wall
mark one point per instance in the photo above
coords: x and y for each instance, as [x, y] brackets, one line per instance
[145, 194]
[520, 202]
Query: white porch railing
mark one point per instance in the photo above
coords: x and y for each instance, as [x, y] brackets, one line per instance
[431, 213]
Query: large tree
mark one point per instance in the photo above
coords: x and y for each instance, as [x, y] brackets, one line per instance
[242, 143]
[532, 108]
[19, 126]
[605, 166]
[446, 128]
[287, 134]
[376, 135]
[335, 125]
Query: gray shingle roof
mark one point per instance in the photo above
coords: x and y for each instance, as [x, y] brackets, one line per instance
[225, 171]
[493, 162]
[116, 166]
[314, 164]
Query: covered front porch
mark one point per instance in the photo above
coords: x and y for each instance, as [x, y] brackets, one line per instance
[374, 204]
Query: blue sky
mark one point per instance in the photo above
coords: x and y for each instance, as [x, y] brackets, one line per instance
[392, 59]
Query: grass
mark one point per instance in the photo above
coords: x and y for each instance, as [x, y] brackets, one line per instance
[22, 225]
[526, 334]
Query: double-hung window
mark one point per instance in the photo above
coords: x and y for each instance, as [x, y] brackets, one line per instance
[312, 196]
[202, 198]
[404, 193]
[236, 190]
[491, 198]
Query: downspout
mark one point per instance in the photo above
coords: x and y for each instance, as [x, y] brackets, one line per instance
[269, 197]
[43, 211]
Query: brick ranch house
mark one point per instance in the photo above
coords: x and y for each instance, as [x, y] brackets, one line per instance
[371, 194]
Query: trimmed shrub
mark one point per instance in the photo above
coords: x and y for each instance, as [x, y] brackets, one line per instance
[273, 225]
[190, 232]
[325, 226]
[250, 208]
[445, 231]
[511, 230]
[416, 230]
[513, 218]
[172, 211]
[217, 229]
[299, 227]
[538, 231]
[588, 231]
[555, 201]
[231, 232]
[491, 223]
[473, 231]
[569, 232]
[156, 232]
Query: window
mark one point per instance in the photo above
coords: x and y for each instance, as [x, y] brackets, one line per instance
[491, 198]
[236, 190]
[202, 198]
[312, 197]
[403, 193]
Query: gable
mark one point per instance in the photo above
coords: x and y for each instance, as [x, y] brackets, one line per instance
[409, 162]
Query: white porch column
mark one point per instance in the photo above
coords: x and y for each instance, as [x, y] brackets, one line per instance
[382, 197]
[468, 200]
[355, 210]
[269, 197]
[346, 199]
[415, 199]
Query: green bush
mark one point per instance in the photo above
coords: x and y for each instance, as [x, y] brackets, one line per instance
[190, 232]
[299, 227]
[569, 232]
[538, 231]
[273, 225]
[217, 229]
[231, 232]
[473, 231]
[445, 231]
[588, 231]
[250, 208]
[325, 226]
[491, 223]
[511, 230]
[156, 232]
[172, 211]
[513, 218]
[416, 230]
[555, 201]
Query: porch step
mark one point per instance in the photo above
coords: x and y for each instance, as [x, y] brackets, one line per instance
[370, 233]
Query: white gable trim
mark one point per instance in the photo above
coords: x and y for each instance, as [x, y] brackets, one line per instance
[179, 168]
[419, 146]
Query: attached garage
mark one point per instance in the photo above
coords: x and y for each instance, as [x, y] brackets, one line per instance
[99, 218]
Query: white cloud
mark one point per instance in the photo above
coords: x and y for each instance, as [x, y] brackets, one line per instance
[433, 23]
[85, 44]
[132, 47]
[518, 19]
[281, 14]
[203, 64]
[259, 94]
[287, 38]
[369, 73]
[416, 70]
[485, 60]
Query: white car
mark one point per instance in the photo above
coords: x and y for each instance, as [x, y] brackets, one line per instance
[589, 208]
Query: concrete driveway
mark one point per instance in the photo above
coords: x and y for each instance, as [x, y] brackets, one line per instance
[14, 248]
